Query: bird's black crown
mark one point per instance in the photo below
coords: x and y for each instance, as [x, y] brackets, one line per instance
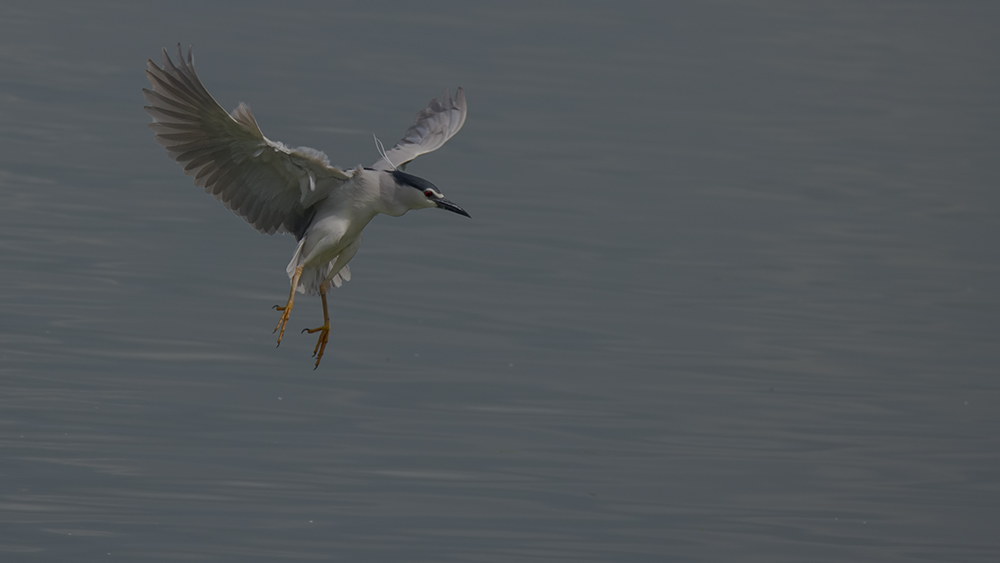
[417, 182]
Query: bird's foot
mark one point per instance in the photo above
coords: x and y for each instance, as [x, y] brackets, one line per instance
[286, 311]
[324, 337]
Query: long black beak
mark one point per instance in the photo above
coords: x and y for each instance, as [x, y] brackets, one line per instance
[450, 206]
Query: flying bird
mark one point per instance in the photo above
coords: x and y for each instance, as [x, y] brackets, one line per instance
[279, 189]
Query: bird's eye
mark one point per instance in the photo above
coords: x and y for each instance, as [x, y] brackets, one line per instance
[429, 193]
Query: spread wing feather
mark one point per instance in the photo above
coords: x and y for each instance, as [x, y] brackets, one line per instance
[435, 124]
[267, 183]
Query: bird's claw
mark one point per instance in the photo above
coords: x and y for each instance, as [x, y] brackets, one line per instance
[320, 347]
[285, 313]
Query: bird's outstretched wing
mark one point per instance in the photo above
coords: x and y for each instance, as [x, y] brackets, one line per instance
[435, 124]
[268, 184]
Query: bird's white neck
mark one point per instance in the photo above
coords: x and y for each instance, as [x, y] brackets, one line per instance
[394, 199]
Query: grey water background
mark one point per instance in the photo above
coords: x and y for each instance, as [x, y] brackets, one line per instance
[729, 292]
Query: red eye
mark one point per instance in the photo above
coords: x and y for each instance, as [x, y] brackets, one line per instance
[429, 193]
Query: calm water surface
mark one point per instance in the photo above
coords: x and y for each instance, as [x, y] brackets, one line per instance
[729, 293]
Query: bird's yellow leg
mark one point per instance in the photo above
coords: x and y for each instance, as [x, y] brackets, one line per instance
[324, 331]
[286, 311]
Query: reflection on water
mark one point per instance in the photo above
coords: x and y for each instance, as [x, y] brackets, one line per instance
[728, 293]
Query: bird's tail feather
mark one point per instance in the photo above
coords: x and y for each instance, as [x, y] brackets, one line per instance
[311, 279]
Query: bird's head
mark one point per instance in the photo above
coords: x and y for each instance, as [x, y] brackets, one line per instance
[417, 193]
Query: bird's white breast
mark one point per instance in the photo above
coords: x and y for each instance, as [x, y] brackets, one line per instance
[340, 219]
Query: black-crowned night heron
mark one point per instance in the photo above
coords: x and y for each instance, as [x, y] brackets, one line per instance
[278, 189]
